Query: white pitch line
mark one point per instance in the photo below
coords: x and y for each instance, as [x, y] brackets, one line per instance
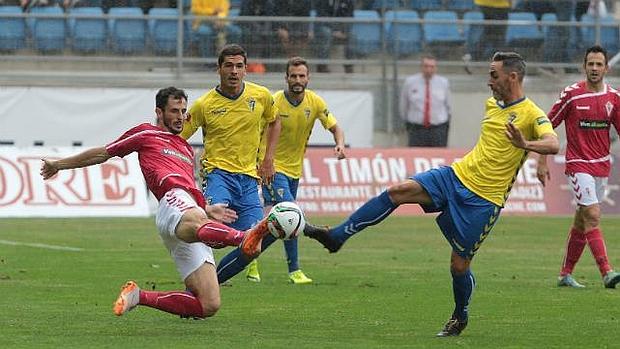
[49, 247]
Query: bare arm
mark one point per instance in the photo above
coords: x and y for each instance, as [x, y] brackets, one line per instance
[339, 140]
[547, 144]
[542, 170]
[86, 158]
[266, 169]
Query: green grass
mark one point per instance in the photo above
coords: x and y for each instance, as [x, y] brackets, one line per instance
[389, 287]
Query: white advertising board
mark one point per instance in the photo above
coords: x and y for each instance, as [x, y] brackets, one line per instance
[113, 189]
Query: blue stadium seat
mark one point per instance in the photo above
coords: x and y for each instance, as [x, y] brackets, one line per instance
[365, 37]
[389, 4]
[609, 34]
[127, 35]
[442, 33]
[426, 5]
[164, 31]
[12, 30]
[528, 35]
[89, 34]
[460, 5]
[48, 33]
[206, 35]
[472, 32]
[403, 38]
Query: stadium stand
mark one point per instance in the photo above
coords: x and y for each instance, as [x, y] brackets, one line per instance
[365, 37]
[127, 35]
[88, 34]
[442, 35]
[472, 32]
[426, 5]
[48, 33]
[13, 32]
[524, 37]
[608, 32]
[379, 5]
[164, 31]
[460, 5]
[404, 38]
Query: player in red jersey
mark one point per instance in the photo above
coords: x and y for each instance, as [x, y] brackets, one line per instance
[182, 218]
[588, 109]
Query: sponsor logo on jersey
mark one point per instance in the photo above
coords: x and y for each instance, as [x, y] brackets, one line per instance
[172, 152]
[594, 124]
[542, 120]
[218, 112]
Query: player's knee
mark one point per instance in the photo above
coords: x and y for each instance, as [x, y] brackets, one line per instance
[458, 264]
[210, 308]
[591, 216]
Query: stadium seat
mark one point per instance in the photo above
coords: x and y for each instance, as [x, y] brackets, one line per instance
[523, 35]
[12, 29]
[89, 3]
[387, 4]
[426, 5]
[48, 33]
[206, 35]
[164, 31]
[365, 37]
[472, 32]
[442, 33]
[403, 38]
[460, 5]
[89, 34]
[608, 36]
[552, 46]
[127, 35]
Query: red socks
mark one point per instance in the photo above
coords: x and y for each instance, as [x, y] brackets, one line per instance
[599, 251]
[174, 302]
[574, 247]
[218, 235]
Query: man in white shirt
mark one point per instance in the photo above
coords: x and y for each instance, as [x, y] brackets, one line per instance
[424, 106]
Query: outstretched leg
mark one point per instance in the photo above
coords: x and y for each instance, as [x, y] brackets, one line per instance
[371, 213]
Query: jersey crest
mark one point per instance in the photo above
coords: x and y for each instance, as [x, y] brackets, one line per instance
[251, 103]
[609, 107]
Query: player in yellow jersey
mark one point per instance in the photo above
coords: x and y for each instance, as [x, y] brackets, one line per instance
[470, 194]
[299, 109]
[231, 117]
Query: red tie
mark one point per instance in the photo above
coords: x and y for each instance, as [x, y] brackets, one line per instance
[427, 104]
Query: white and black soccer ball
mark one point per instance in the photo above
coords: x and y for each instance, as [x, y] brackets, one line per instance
[286, 220]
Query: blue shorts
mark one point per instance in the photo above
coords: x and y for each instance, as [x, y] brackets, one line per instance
[239, 191]
[466, 219]
[283, 188]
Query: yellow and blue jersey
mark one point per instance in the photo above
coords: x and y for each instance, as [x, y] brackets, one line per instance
[297, 123]
[231, 127]
[490, 169]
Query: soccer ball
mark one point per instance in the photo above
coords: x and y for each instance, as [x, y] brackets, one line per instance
[286, 220]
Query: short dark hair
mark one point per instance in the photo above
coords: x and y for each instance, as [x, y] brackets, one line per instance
[295, 62]
[231, 50]
[161, 99]
[512, 62]
[595, 49]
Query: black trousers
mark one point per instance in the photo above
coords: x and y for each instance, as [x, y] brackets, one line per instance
[432, 136]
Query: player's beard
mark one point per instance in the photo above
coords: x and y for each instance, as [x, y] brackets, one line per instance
[170, 127]
[297, 89]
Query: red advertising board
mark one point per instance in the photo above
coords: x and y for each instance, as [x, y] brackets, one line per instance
[332, 187]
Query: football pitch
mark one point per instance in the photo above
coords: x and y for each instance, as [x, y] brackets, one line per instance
[389, 287]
